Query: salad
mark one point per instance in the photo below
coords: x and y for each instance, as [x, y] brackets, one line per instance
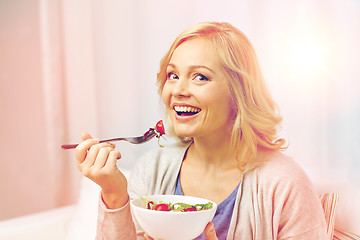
[159, 131]
[176, 207]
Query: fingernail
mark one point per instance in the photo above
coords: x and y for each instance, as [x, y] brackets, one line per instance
[96, 140]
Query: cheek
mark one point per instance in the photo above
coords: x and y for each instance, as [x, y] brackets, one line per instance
[222, 105]
[165, 95]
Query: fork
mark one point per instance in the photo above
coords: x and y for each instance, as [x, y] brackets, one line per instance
[134, 140]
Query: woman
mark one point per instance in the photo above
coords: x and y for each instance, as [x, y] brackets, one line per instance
[219, 107]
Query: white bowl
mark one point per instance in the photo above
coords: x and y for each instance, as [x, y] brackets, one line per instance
[172, 225]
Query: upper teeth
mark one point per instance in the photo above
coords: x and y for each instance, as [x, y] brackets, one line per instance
[186, 109]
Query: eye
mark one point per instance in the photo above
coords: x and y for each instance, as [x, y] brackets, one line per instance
[172, 76]
[199, 77]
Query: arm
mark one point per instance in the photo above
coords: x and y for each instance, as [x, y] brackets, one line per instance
[154, 173]
[297, 212]
[97, 161]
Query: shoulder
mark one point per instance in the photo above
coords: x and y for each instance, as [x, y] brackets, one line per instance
[278, 167]
[280, 176]
[287, 195]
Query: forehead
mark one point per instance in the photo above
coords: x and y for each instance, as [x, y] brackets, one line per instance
[198, 51]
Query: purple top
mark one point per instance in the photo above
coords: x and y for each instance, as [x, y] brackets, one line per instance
[222, 216]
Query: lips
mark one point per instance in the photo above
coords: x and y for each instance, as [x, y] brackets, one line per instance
[185, 112]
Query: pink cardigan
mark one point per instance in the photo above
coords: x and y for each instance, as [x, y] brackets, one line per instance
[275, 200]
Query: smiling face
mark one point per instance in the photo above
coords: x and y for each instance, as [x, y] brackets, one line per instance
[196, 92]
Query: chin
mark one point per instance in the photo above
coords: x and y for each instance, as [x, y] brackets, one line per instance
[183, 134]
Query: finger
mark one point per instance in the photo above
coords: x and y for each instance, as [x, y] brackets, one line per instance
[85, 136]
[104, 155]
[82, 148]
[112, 159]
[111, 144]
[210, 232]
[93, 153]
[148, 237]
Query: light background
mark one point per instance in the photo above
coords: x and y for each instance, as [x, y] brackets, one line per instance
[72, 66]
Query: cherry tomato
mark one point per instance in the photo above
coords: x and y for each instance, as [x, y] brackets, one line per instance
[160, 127]
[162, 207]
[190, 209]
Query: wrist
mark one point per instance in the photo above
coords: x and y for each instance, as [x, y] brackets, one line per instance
[114, 200]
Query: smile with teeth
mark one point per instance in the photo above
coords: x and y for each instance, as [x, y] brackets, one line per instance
[186, 110]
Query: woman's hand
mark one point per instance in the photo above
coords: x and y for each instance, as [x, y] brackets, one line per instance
[97, 161]
[209, 233]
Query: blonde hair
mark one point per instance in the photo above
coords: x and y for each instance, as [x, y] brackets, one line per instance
[257, 118]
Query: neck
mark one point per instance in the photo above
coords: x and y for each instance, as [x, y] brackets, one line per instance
[213, 152]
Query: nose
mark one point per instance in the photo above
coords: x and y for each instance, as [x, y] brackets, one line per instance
[181, 88]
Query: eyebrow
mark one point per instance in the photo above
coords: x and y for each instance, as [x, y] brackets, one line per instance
[192, 67]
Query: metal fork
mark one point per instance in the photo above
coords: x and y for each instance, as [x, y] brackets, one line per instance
[134, 140]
